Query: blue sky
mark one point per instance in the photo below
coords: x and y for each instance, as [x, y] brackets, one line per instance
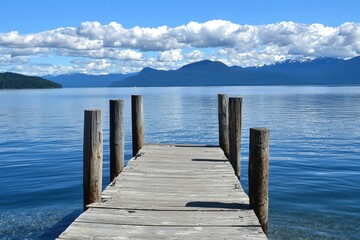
[98, 37]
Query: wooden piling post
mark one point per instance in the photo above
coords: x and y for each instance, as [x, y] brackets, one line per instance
[223, 118]
[93, 157]
[259, 174]
[235, 116]
[137, 123]
[116, 138]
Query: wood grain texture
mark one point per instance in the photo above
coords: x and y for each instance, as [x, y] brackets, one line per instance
[93, 157]
[235, 119]
[170, 192]
[137, 123]
[116, 138]
[114, 231]
[259, 173]
[223, 120]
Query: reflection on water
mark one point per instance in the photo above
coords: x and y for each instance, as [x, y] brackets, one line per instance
[314, 150]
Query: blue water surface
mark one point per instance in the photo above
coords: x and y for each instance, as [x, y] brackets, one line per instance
[314, 152]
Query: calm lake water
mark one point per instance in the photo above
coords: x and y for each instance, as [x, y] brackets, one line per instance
[314, 152]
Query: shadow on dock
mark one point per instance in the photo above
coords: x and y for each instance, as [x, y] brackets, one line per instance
[221, 205]
[208, 160]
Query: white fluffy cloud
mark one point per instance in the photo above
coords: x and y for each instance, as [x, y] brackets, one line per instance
[195, 56]
[173, 55]
[104, 53]
[167, 47]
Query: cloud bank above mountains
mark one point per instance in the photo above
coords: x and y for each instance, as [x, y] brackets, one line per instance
[98, 49]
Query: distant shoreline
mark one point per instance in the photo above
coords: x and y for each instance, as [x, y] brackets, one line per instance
[10, 80]
[244, 85]
[197, 86]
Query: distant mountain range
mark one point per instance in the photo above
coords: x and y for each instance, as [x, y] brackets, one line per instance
[10, 80]
[213, 73]
[204, 73]
[83, 80]
[320, 70]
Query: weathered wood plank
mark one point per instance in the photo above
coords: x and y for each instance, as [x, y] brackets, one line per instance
[171, 192]
[169, 218]
[113, 231]
[171, 200]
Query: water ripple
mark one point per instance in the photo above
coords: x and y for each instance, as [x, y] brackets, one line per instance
[314, 152]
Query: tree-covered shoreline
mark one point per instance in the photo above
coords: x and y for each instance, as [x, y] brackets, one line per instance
[10, 80]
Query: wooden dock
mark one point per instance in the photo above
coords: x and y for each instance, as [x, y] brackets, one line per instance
[171, 192]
